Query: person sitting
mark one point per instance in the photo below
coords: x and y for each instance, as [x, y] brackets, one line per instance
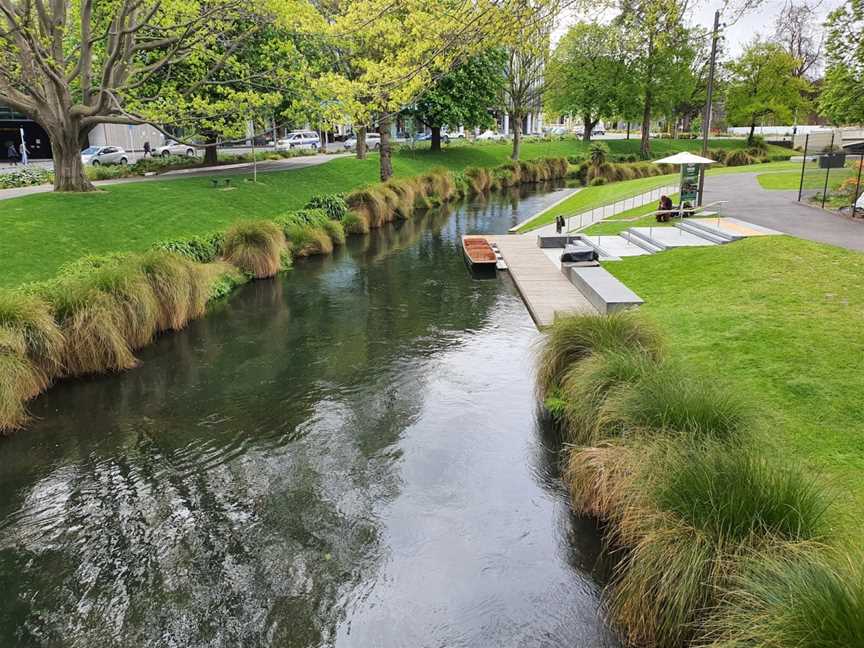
[664, 209]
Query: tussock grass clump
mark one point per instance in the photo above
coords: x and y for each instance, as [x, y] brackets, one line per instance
[255, 247]
[336, 231]
[480, 179]
[691, 513]
[20, 380]
[671, 399]
[131, 296]
[574, 338]
[355, 224]
[93, 326]
[587, 386]
[370, 205]
[738, 158]
[508, 174]
[27, 326]
[181, 288]
[308, 240]
[803, 598]
[404, 193]
[439, 185]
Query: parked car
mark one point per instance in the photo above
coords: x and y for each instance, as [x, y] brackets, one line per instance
[96, 155]
[373, 141]
[556, 131]
[580, 131]
[299, 140]
[173, 147]
[489, 135]
[427, 137]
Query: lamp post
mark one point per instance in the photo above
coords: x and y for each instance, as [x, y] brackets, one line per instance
[706, 121]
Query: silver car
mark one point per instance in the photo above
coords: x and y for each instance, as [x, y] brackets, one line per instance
[96, 155]
[173, 147]
[373, 142]
[299, 140]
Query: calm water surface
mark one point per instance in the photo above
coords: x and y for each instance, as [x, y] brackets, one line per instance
[348, 455]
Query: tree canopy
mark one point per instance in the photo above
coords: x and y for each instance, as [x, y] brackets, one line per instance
[585, 74]
[842, 99]
[762, 84]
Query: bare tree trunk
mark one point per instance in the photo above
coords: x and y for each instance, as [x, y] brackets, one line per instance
[66, 151]
[436, 138]
[588, 126]
[385, 163]
[211, 156]
[628, 130]
[361, 143]
[752, 131]
[516, 118]
[645, 145]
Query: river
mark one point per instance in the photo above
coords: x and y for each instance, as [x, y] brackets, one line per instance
[347, 455]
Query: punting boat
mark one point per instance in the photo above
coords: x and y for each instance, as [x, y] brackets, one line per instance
[479, 254]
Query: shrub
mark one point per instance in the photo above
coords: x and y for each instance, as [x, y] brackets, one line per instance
[255, 247]
[738, 158]
[334, 205]
[107, 172]
[595, 182]
[156, 164]
[336, 231]
[803, 598]
[25, 177]
[598, 153]
[758, 143]
[223, 278]
[718, 155]
[572, 339]
[203, 249]
[315, 217]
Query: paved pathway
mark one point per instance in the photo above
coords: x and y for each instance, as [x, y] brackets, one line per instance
[265, 166]
[779, 210]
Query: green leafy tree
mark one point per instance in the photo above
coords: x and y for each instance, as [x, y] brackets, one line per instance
[73, 64]
[842, 98]
[762, 83]
[660, 56]
[583, 73]
[463, 96]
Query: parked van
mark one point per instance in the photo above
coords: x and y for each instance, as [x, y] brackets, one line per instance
[299, 140]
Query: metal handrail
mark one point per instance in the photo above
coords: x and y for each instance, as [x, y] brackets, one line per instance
[621, 205]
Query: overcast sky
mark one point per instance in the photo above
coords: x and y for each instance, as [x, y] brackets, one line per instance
[738, 34]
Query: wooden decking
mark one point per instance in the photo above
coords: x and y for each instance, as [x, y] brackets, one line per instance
[544, 289]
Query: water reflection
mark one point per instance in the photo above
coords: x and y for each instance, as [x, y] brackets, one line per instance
[345, 456]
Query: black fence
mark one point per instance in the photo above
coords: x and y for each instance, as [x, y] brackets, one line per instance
[831, 177]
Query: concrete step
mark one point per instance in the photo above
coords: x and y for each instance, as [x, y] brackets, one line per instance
[603, 290]
[704, 232]
[667, 238]
[708, 227]
[642, 240]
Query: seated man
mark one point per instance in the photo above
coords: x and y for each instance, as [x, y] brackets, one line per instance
[664, 209]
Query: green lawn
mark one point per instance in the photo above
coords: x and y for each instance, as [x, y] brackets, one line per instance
[780, 318]
[42, 232]
[813, 179]
[591, 197]
[636, 217]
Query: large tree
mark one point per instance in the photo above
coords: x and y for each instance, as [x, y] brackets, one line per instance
[463, 96]
[842, 98]
[73, 64]
[798, 29]
[661, 55]
[762, 84]
[583, 73]
[524, 84]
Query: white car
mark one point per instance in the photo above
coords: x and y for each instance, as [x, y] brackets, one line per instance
[173, 147]
[489, 135]
[97, 155]
[299, 140]
[556, 131]
[373, 142]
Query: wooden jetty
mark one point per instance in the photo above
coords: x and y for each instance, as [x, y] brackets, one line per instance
[544, 288]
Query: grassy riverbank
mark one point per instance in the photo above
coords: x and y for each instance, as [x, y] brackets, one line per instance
[717, 432]
[44, 231]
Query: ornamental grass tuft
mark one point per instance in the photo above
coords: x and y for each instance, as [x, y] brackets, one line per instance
[181, 287]
[255, 247]
[574, 338]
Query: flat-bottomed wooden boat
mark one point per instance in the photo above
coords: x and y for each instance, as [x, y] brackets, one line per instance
[479, 254]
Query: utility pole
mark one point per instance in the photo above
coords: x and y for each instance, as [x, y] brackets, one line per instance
[706, 120]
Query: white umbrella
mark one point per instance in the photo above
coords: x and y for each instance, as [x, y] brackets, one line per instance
[685, 158]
